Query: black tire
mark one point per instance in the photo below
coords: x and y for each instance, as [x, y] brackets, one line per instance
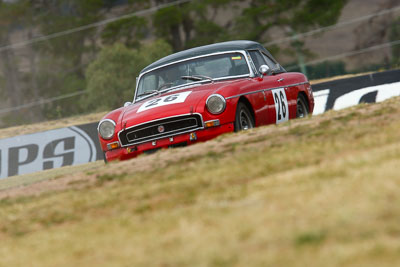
[243, 118]
[302, 107]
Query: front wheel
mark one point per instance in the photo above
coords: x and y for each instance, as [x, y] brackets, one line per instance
[243, 118]
[302, 108]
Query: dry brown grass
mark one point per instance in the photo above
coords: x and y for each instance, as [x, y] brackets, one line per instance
[323, 191]
[50, 125]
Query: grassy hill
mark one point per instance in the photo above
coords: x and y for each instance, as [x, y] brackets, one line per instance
[323, 191]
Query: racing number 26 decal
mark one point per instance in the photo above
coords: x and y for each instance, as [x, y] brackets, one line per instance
[157, 101]
[281, 105]
[165, 100]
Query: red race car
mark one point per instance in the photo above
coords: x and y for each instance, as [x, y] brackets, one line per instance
[198, 94]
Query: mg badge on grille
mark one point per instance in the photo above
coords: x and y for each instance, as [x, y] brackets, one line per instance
[161, 129]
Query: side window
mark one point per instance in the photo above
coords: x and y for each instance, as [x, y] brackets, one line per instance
[238, 65]
[269, 61]
[257, 58]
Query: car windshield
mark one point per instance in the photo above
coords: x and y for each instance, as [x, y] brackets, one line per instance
[200, 69]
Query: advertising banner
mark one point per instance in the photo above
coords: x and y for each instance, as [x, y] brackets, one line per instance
[50, 149]
[348, 92]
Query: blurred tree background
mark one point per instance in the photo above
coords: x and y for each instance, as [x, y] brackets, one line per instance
[57, 60]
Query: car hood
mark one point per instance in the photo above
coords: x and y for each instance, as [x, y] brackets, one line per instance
[176, 102]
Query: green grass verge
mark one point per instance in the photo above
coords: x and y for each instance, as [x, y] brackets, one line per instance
[323, 191]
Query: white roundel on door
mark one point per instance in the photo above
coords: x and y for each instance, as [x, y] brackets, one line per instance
[281, 105]
[164, 100]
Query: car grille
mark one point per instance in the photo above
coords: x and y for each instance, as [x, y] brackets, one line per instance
[154, 130]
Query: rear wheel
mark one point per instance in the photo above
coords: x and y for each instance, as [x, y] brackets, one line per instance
[302, 107]
[243, 119]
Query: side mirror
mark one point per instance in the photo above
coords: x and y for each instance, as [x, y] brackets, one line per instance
[127, 104]
[264, 70]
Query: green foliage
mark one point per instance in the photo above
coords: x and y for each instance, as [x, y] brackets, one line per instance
[60, 62]
[310, 238]
[111, 78]
[2, 84]
[11, 14]
[13, 119]
[129, 31]
[327, 69]
[317, 12]
[199, 23]
[294, 15]
[208, 32]
[65, 83]
[110, 177]
[64, 15]
[59, 66]
[324, 69]
[394, 36]
[192, 24]
[167, 22]
[168, 17]
[154, 51]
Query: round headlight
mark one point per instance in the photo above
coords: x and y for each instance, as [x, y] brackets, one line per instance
[216, 104]
[106, 129]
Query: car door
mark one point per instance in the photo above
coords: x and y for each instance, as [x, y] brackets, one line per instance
[277, 96]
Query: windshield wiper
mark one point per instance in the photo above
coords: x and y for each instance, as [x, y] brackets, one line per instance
[149, 93]
[197, 78]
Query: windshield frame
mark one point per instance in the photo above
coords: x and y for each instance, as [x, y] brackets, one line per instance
[178, 87]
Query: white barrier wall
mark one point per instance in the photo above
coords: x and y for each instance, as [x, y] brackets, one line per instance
[348, 92]
[381, 92]
[47, 150]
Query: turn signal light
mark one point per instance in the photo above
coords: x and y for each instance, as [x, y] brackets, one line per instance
[212, 123]
[112, 146]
